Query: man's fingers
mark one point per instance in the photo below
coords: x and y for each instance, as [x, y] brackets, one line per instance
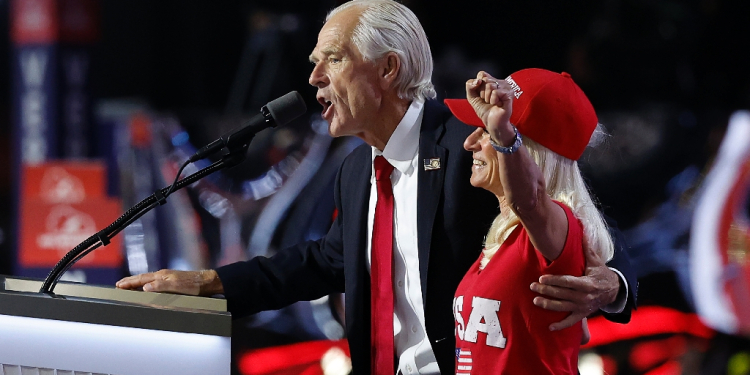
[567, 322]
[134, 282]
[162, 285]
[171, 281]
[148, 287]
[150, 282]
[567, 281]
[586, 337]
[575, 316]
[559, 293]
[549, 304]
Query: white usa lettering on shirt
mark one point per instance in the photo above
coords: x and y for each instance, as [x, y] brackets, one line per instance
[483, 318]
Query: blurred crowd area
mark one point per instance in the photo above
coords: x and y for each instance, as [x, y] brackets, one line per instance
[167, 77]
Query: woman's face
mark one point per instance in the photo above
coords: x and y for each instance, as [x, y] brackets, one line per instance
[485, 173]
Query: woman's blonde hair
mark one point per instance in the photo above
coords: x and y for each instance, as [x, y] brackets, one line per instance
[564, 184]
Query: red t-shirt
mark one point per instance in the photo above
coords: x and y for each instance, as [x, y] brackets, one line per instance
[498, 328]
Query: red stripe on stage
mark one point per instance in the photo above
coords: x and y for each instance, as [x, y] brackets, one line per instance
[646, 321]
[292, 357]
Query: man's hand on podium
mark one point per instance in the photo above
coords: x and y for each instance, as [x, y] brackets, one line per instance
[196, 283]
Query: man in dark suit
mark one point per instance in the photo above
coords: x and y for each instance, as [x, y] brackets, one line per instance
[372, 68]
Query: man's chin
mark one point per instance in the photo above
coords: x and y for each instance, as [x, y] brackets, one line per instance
[334, 129]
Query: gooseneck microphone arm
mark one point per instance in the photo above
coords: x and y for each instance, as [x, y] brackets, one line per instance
[233, 147]
[103, 237]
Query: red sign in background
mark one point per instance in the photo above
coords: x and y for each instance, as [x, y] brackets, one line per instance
[61, 181]
[48, 21]
[34, 21]
[62, 204]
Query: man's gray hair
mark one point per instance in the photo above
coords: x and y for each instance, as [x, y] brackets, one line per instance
[388, 26]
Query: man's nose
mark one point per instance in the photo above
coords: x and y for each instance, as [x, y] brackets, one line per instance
[317, 77]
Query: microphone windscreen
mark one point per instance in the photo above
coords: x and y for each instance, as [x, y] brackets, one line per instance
[287, 108]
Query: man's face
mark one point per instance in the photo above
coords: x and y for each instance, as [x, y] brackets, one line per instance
[348, 86]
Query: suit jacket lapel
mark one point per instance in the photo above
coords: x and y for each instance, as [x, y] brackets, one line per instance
[430, 186]
[360, 180]
[356, 182]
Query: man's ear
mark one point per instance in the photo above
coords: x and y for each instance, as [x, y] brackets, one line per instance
[390, 68]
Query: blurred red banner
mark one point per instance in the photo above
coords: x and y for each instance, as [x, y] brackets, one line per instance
[62, 204]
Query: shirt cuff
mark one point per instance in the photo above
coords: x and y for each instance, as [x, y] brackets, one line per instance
[618, 305]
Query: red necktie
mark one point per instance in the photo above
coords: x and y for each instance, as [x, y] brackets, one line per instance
[381, 274]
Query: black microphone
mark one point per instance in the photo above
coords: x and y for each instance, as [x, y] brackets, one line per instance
[279, 111]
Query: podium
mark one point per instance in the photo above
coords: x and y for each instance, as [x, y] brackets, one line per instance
[96, 330]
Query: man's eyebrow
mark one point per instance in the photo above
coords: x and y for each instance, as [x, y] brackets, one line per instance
[325, 51]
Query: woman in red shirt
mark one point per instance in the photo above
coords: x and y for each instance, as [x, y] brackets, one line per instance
[533, 126]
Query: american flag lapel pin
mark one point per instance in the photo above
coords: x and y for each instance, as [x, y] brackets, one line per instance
[431, 164]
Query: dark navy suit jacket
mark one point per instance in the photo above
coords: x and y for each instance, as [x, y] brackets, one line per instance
[452, 219]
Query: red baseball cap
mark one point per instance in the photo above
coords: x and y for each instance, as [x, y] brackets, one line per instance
[548, 107]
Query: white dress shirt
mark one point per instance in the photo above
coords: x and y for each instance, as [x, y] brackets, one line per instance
[410, 340]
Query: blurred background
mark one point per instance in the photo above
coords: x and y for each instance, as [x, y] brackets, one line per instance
[105, 100]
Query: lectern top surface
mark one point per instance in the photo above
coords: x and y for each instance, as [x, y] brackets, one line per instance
[110, 306]
[110, 293]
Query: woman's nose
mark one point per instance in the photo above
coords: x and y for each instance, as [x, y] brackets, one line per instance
[471, 142]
